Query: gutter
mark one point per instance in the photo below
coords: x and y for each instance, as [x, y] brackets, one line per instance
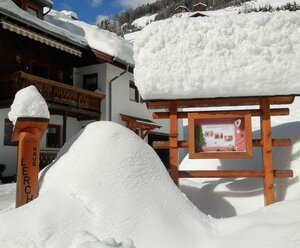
[49, 9]
[109, 89]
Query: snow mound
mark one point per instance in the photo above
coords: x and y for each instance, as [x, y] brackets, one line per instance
[28, 102]
[106, 182]
[235, 55]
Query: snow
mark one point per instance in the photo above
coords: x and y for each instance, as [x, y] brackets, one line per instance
[123, 191]
[261, 3]
[222, 56]
[98, 39]
[105, 189]
[61, 25]
[28, 102]
[8, 8]
[106, 182]
[143, 21]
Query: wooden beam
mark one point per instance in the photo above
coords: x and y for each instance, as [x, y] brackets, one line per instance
[166, 144]
[212, 102]
[275, 142]
[60, 109]
[174, 160]
[255, 142]
[64, 128]
[266, 141]
[253, 112]
[233, 174]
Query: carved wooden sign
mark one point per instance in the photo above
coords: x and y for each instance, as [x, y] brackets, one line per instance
[220, 135]
[28, 131]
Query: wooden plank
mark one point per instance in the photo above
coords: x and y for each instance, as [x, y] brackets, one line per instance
[212, 102]
[266, 136]
[166, 144]
[233, 174]
[174, 160]
[253, 112]
[275, 142]
[255, 143]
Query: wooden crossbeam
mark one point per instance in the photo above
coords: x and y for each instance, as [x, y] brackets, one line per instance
[253, 112]
[212, 102]
[233, 174]
[255, 142]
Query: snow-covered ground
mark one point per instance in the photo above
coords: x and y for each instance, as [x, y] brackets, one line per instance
[143, 21]
[108, 188]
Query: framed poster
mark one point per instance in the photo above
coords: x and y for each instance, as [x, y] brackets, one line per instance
[220, 135]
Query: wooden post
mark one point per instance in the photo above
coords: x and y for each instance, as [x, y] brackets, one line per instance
[28, 131]
[266, 139]
[64, 128]
[174, 161]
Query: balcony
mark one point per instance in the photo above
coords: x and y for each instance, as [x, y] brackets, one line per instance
[62, 99]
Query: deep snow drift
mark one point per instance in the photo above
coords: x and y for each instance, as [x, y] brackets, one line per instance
[236, 55]
[106, 182]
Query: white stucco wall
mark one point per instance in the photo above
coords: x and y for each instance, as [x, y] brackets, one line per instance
[8, 154]
[120, 96]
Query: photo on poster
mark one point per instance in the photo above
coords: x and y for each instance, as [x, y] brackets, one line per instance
[213, 134]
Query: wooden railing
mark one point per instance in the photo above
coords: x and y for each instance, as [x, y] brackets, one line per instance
[52, 91]
[47, 157]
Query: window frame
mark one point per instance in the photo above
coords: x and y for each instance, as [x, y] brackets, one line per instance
[5, 141]
[132, 86]
[89, 76]
[58, 136]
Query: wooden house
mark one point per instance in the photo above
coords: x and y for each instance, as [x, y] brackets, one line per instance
[33, 53]
[72, 77]
[199, 7]
[181, 9]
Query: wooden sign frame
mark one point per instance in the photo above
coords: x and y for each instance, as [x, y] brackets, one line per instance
[224, 136]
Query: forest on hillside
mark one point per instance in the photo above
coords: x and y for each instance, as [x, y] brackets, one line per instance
[121, 23]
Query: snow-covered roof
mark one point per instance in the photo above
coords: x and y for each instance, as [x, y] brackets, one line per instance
[62, 26]
[237, 55]
[45, 3]
[98, 39]
[202, 4]
[12, 11]
[182, 7]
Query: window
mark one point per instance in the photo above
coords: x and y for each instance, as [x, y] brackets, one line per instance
[133, 92]
[90, 82]
[39, 70]
[53, 136]
[8, 130]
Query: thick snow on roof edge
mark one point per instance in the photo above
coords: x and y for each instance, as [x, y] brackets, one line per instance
[98, 39]
[241, 55]
[11, 10]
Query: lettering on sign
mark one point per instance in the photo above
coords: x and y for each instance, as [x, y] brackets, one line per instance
[34, 157]
[26, 182]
